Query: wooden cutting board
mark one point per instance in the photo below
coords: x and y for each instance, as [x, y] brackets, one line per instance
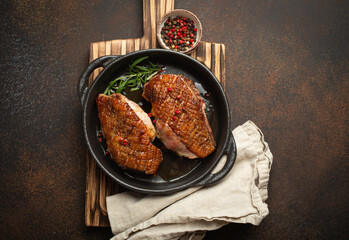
[98, 184]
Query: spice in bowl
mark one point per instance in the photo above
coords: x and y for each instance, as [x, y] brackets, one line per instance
[179, 33]
[179, 30]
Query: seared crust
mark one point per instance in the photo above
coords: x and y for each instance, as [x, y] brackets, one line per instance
[118, 120]
[189, 125]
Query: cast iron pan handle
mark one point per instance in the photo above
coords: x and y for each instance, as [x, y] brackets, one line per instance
[231, 156]
[83, 81]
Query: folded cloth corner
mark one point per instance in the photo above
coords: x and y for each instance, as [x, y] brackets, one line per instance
[238, 198]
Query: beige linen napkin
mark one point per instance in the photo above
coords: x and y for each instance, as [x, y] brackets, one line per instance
[239, 197]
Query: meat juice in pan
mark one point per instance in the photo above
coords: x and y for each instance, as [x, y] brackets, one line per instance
[172, 166]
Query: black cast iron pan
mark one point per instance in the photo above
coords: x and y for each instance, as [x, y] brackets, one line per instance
[175, 173]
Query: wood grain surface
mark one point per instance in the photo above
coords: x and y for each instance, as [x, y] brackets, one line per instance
[98, 184]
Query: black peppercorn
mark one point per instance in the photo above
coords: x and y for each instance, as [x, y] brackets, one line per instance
[179, 33]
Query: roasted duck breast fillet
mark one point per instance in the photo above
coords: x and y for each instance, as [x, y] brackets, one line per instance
[129, 132]
[179, 111]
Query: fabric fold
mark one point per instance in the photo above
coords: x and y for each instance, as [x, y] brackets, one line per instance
[239, 197]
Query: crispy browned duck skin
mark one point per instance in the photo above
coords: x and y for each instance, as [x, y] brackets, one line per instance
[128, 136]
[181, 122]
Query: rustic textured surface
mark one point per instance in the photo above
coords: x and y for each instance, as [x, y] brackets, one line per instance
[287, 70]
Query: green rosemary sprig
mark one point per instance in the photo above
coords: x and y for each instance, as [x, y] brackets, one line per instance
[135, 77]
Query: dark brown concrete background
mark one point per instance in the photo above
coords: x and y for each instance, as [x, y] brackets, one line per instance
[287, 70]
